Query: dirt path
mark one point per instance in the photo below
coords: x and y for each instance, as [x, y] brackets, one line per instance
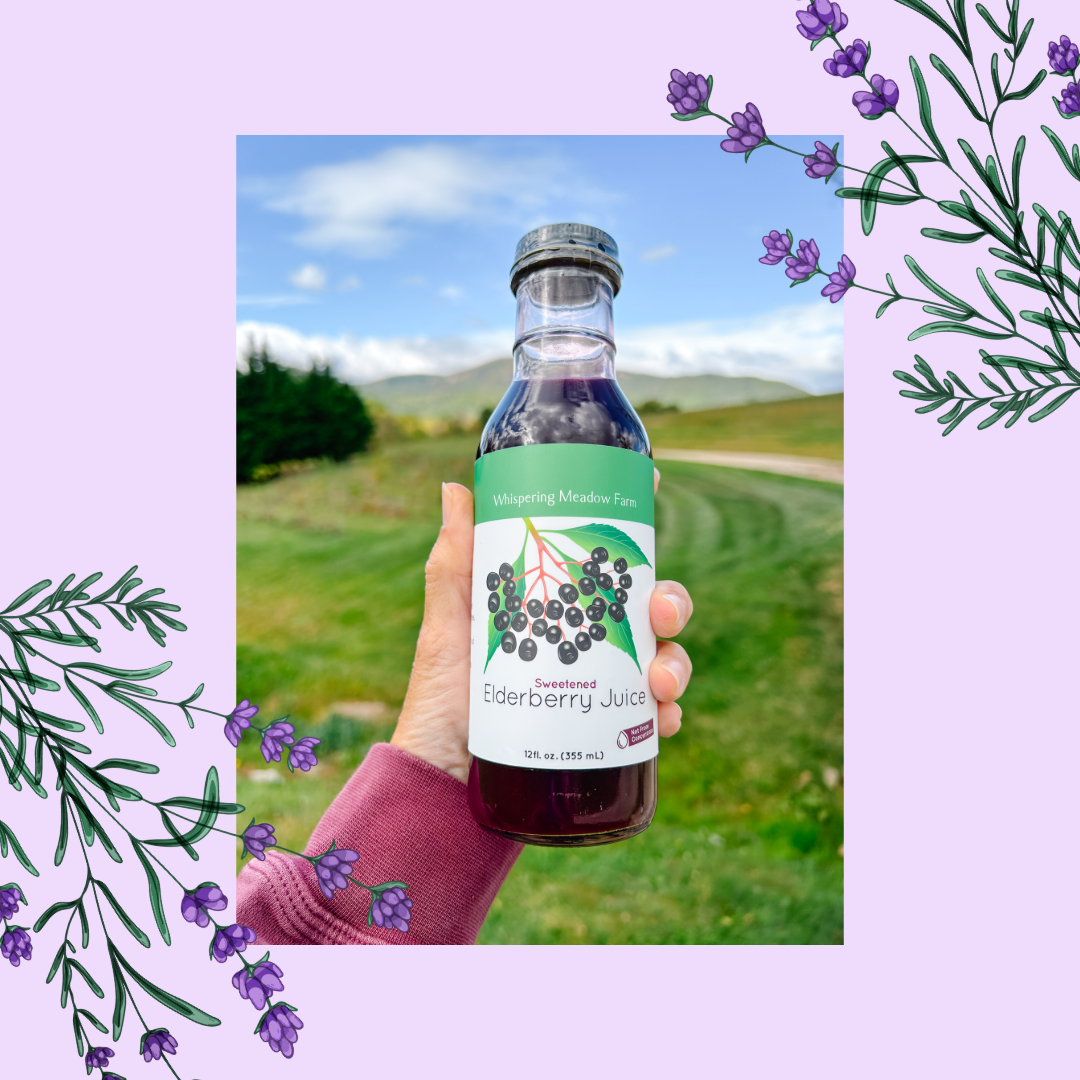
[809, 468]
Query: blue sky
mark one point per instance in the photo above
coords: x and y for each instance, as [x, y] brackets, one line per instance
[387, 255]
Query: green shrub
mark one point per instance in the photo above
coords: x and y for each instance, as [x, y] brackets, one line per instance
[287, 415]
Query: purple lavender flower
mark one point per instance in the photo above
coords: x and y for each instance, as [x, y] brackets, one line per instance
[777, 245]
[747, 132]
[301, 757]
[239, 721]
[804, 262]
[1064, 55]
[392, 908]
[872, 104]
[687, 92]
[156, 1041]
[98, 1057]
[277, 734]
[194, 905]
[819, 18]
[258, 984]
[840, 282]
[849, 61]
[235, 938]
[9, 902]
[16, 946]
[279, 1028]
[821, 165]
[257, 838]
[331, 869]
[1069, 106]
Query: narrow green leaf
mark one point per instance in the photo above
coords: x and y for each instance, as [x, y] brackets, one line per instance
[84, 924]
[963, 415]
[1017, 158]
[952, 237]
[946, 72]
[133, 675]
[959, 382]
[60, 954]
[1024, 36]
[934, 287]
[154, 884]
[122, 915]
[925, 116]
[1019, 95]
[927, 12]
[89, 979]
[120, 994]
[881, 310]
[145, 713]
[61, 844]
[1059, 146]
[994, 298]
[1046, 410]
[7, 835]
[60, 905]
[28, 595]
[989, 382]
[127, 763]
[170, 1001]
[955, 328]
[94, 1020]
[108, 592]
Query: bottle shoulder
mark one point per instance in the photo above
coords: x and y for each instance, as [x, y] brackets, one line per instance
[583, 410]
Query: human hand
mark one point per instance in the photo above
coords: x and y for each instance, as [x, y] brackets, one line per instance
[434, 721]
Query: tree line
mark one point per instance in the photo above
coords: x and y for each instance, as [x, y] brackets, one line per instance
[288, 415]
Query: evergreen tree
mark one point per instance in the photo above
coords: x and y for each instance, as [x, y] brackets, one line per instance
[287, 415]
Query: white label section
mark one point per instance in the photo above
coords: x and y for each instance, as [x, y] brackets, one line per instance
[543, 696]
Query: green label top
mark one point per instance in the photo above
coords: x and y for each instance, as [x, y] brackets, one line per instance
[574, 479]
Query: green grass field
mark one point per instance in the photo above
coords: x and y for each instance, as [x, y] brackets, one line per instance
[811, 427]
[746, 845]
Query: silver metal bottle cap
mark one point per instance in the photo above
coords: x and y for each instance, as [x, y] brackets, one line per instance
[567, 244]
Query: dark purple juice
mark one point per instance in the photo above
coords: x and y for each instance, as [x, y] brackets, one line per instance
[570, 807]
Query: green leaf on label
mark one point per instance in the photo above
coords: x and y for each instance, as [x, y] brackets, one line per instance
[618, 544]
[495, 636]
[619, 634]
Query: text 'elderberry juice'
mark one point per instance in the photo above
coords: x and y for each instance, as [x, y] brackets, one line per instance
[562, 724]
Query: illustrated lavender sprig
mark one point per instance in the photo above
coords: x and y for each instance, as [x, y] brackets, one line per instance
[36, 738]
[989, 200]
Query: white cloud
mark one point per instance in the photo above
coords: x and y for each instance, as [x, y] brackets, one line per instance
[451, 292]
[802, 346]
[350, 284]
[361, 360]
[310, 277]
[656, 254]
[365, 207]
[285, 300]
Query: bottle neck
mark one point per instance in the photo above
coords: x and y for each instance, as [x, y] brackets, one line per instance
[564, 325]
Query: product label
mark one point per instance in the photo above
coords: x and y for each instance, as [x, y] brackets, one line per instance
[563, 568]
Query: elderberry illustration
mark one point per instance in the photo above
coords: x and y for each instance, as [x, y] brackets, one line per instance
[573, 602]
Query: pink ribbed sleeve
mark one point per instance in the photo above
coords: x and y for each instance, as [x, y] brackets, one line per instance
[410, 822]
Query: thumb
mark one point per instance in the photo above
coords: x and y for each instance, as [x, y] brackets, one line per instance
[448, 572]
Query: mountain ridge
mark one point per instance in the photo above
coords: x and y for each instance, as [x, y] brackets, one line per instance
[464, 393]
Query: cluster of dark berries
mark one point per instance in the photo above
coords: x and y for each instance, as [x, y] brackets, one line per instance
[505, 605]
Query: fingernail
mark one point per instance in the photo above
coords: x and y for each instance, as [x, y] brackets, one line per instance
[656, 479]
[445, 504]
[677, 670]
[678, 603]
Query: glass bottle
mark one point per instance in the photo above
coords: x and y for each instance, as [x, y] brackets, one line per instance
[536, 775]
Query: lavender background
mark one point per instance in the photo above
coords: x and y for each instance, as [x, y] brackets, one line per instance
[118, 419]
